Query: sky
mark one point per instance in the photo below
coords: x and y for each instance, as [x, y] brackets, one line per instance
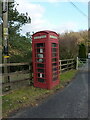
[56, 16]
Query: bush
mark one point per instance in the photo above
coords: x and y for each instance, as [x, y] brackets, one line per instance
[82, 51]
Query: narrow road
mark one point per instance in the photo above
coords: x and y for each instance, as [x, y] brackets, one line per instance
[72, 102]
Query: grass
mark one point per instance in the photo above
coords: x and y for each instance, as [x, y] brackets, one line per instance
[30, 96]
[67, 76]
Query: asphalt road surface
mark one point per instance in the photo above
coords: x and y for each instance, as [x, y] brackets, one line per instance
[72, 102]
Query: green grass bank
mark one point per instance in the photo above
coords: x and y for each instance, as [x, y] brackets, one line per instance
[31, 96]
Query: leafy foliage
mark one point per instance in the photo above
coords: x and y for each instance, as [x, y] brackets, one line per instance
[19, 46]
[82, 51]
[69, 44]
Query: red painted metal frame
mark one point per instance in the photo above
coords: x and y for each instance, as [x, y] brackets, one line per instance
[49, 83]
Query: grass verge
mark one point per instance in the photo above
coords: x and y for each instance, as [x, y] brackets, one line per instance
[31, 96]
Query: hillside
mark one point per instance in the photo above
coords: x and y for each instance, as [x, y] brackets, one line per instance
[20, 48]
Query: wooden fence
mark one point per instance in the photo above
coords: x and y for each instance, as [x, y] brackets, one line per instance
[24, 77]
[66, 65]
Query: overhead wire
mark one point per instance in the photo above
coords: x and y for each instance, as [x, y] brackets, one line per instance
[78, 9]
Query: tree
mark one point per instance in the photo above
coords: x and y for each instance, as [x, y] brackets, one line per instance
[19, 45]
[16, 21]
[29, 36]
[82, 51]
[69, 43]
[68, 46]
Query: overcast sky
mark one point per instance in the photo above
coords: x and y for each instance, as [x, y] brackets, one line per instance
[56, 16]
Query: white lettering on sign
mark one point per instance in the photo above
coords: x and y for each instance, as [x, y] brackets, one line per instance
[39, 37]
[51, 36]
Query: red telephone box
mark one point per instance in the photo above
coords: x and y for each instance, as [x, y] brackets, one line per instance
[45, 49]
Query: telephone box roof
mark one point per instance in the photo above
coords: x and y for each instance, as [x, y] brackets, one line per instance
[46, 31]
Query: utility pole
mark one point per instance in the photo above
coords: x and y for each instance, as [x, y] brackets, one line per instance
[1, 21]
[5, 43]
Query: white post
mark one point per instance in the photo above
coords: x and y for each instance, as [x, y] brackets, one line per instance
[77, 64]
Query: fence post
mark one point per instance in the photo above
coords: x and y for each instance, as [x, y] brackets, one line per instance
[30, 74]
[30, 70]
[67, 65]
[60, 66]
[74, 64]
[77, 63]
